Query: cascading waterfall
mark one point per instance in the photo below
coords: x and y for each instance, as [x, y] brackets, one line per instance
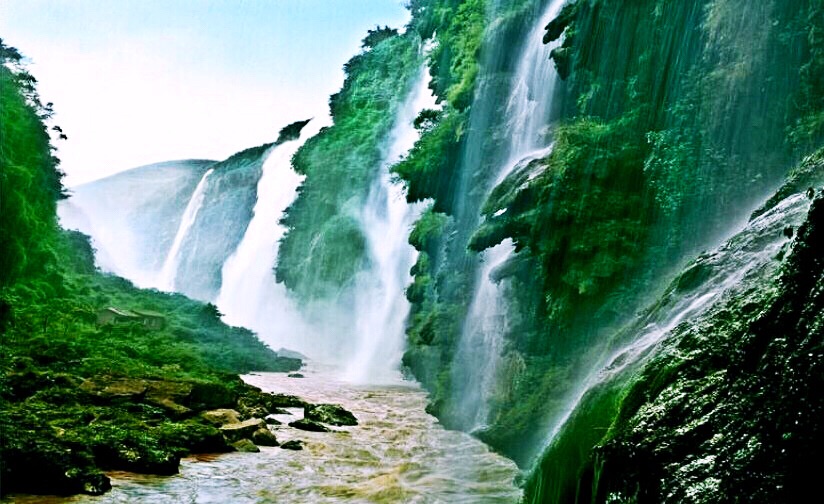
[733, 266]
[381, 306]
[249, 295]
[482, 339]
[166, 278]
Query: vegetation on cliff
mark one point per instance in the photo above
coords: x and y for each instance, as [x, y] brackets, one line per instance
[78, 395]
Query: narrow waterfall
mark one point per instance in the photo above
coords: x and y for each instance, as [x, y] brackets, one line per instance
[381, 306]
[249, 295]
[166, 277]
[482, 339]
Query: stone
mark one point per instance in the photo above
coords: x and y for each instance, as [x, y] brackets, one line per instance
[286, 401]
[236, 431]
[295, 375]
[272, 421]
[292, 444]
[332, 414]
[245, 446]
[264, 437]
[115, 388]
[309, 425]
[221, 416]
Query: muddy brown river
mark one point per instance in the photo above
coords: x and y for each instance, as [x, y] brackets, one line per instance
[398, 453]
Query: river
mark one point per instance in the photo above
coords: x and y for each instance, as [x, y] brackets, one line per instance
[397, 453]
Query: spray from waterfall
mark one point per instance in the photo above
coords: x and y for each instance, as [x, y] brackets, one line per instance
[727, 269]
[249, 295]
[482, 340]
[381, 306]
[166, 278]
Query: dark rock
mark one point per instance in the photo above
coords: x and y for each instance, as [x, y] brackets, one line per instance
[245, 429]
[309, 425]
[264, 437]
[286, 401]
[295, 375]
[272, 421]
[245, 446]
[332, 414]
[293, 444]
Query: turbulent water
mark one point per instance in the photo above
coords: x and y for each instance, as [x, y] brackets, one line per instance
[482, 339]
[397, 453]
[381, 306]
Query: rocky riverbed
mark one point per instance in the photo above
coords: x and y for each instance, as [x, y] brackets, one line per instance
[395, 453]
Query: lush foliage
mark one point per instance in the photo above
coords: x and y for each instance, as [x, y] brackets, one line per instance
[56, 432]
[324, 245]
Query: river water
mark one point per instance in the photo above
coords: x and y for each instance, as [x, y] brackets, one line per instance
[397, 453]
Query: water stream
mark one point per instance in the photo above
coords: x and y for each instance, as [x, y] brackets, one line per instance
[381, 306]
[483, 335]
[397, 453]
[168, 272]
[734, 266]
[249, 295]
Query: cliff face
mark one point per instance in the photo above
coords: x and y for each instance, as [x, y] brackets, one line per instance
[673, 121]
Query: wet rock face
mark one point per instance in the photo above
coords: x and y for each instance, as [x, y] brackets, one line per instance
[332, 414]
[731, 409]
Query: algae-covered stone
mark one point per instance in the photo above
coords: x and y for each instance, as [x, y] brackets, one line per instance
[292, 444]
[332, 414]
[240, 430]
[264, 437]
[245, 446]
[221, 417]
[309, 425]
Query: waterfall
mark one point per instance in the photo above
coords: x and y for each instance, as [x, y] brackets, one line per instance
[381, 306]
[732, 268]
[249, 295]
[166, 278]
[482, 338]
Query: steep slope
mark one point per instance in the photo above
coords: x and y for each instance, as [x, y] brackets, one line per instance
[79, 395]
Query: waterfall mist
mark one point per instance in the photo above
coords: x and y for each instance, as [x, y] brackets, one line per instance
[249, 295]
[380, 304]
[482, 339]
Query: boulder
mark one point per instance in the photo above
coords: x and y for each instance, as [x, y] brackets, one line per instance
[272, 421]
[264, 437]
[309, 425]
[295, 375]
[221, 417]
[170, 395]
[236, 431]
[293, 444]
[286, 401]
[109, 387]
[332, 414]
[245, 446]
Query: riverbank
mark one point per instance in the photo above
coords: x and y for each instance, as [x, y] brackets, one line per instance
[396, 453]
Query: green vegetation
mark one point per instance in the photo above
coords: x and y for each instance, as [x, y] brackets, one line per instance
[76, 395]
[324, 245]
[672, 117]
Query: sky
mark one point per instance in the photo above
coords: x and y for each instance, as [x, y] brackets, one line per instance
[136, 82]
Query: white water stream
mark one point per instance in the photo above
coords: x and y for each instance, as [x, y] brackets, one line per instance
[483, 336]
[249, 295]
[166, 278]
[745, 256]
[381, 307]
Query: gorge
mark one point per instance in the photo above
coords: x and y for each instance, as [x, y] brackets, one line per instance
[543, 250]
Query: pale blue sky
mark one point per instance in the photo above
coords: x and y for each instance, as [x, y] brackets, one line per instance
[136, 82]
